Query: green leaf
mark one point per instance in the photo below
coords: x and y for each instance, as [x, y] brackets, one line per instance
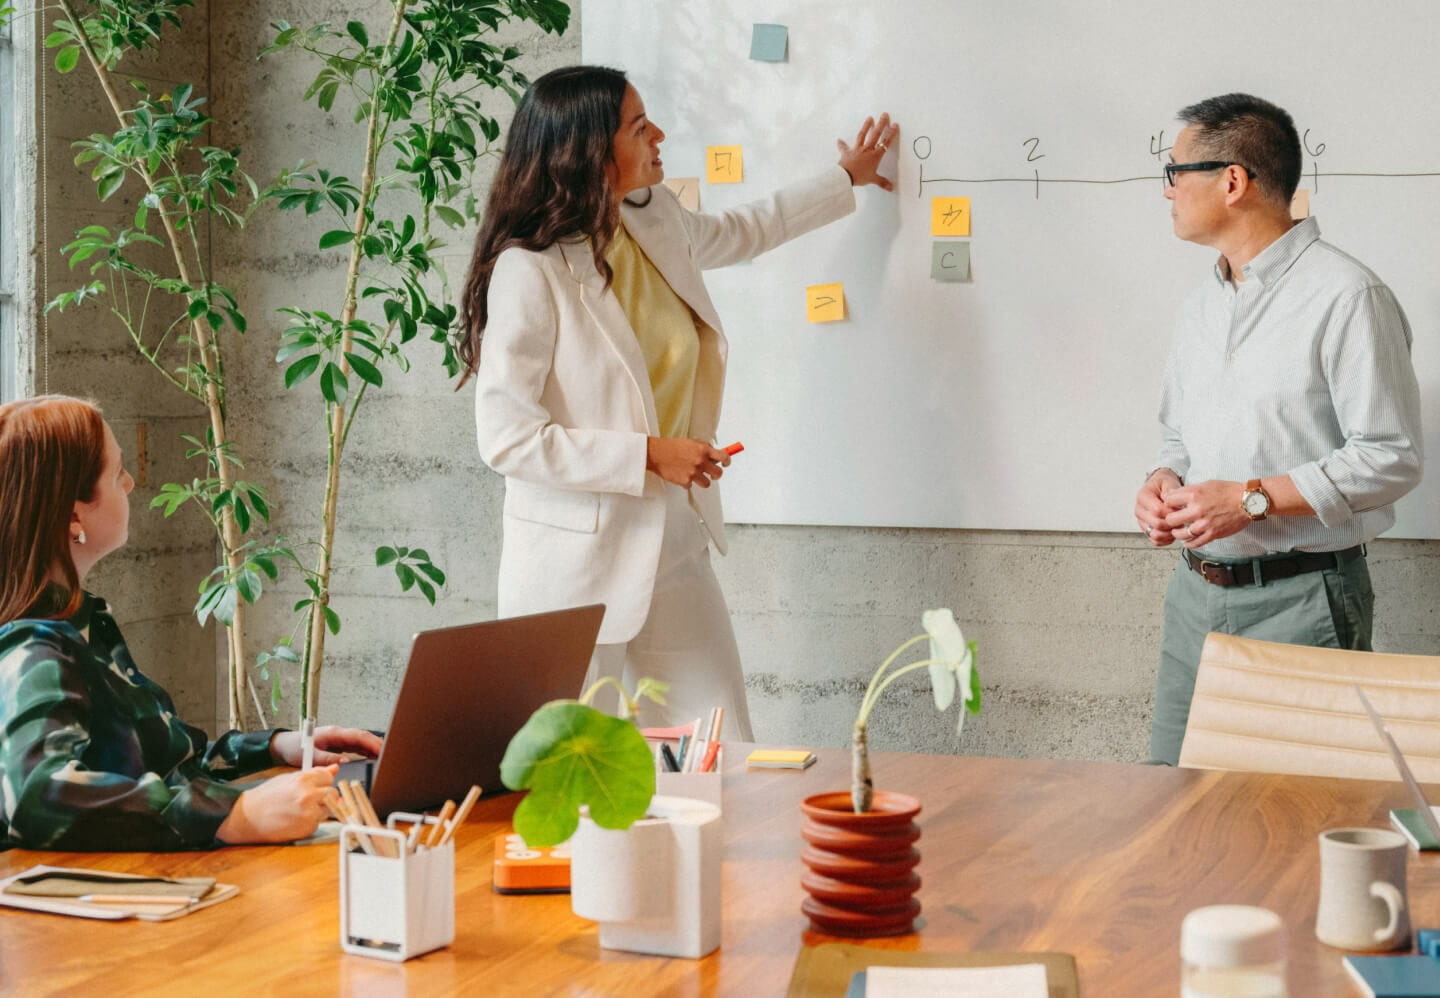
[336, 237]
[332, 621]
[301, 369]
[385, 555]
[366, 370]
[333, 384]
[248, 583]
[68, 59]
[450, 216]
[570, 755]
[357, 31]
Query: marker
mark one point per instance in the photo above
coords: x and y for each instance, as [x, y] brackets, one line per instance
[734, 448]
[307, 743]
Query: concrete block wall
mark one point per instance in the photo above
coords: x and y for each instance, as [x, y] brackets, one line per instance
[151, 583]
[1068, 625]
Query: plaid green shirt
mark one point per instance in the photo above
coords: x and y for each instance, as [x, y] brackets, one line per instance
[93, 756]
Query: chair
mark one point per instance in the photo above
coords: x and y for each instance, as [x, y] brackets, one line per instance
[1266, 707]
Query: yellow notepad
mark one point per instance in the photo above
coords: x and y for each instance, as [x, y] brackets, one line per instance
[780, 758]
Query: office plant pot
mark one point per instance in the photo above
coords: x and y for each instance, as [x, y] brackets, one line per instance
[861, 867]
[654, 887]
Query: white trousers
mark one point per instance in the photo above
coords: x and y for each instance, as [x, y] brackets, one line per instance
[687, 639]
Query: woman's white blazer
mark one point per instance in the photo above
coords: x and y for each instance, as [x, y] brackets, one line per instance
[563, 404]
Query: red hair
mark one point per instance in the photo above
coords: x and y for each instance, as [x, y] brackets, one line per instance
[52, 450]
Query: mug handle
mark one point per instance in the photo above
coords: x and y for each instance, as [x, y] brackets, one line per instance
[1395, 901]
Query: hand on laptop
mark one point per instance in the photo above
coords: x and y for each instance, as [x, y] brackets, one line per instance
[330, 742]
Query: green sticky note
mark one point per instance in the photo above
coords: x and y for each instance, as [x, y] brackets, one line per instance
[769, 42]
[950, 261]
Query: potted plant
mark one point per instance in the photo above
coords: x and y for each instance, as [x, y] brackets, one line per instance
[860, 847]
[646, 868]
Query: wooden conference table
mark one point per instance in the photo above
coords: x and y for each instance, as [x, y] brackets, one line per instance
[1095, 859]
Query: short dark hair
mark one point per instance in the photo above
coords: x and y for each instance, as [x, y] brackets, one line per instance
[1254, 133]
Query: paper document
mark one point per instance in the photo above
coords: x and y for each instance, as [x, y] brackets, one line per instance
[1026, 980]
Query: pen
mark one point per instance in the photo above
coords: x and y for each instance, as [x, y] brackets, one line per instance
[672, 764]
[680, 752]
[307, 743]
[734, 448]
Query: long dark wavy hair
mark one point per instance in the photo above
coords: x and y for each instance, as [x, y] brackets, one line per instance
[552, 183]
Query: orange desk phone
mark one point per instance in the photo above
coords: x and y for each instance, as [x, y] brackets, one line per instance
[520, 869]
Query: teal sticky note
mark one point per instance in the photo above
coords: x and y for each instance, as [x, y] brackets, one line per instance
[769, 43]
[950, 261]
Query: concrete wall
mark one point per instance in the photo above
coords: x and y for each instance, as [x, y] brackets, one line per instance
[1067, 624]
[151, 583]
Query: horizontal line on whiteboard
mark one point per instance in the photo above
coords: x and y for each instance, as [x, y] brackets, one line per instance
[1132, 180]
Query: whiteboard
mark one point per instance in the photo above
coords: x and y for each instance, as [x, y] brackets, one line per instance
[1026, 398]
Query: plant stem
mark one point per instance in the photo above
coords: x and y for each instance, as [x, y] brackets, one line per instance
[867, 703]
[315, 644]
[862, 790]
[229, 531]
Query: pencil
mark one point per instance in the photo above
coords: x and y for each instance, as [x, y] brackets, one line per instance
[462, 814]
[386, 847]
[136, 899]
[353, 815]
[433, 839]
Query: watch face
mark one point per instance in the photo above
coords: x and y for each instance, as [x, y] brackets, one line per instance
[1256, 503]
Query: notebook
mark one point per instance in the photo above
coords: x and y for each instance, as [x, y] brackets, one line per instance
[1396, 976]
[1419, 824]
[465, 693]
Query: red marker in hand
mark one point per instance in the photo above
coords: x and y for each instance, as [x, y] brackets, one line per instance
[734, 448]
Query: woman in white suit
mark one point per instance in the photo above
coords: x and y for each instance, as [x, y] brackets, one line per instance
[599, 381]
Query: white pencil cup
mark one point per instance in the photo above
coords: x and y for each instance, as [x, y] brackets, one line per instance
[696, 786]
[394, 908]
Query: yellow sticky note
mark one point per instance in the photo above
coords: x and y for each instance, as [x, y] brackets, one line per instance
[687, 189]
[824, 302]
[1300, 204]
[949, 216]
[724, 164]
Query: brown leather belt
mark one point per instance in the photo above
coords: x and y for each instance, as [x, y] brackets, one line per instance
[1242, 573]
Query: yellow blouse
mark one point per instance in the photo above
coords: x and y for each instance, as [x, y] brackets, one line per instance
[665, 327]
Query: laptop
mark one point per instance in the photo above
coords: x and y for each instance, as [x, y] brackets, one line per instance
[1426, 834]
[465, 693]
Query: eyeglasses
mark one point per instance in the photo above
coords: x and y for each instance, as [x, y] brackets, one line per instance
[1211, 164]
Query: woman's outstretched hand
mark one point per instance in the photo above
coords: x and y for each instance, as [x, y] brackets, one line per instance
[863, 159]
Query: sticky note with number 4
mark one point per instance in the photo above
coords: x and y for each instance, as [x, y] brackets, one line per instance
[824, 302]
[949, 216]
[724, 164]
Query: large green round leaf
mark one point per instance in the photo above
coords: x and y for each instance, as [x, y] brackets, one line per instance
[569, 755]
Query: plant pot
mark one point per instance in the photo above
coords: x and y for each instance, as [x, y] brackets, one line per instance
[654, 887]
[861, 877]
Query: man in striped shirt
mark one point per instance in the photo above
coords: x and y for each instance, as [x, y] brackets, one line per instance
[1290, 412]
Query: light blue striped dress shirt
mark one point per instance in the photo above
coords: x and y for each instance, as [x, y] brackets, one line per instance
[1301, 369]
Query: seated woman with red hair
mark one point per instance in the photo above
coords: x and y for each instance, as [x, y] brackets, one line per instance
[92, 756]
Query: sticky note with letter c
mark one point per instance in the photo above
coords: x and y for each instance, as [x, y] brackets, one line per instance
[824, 302]
[724, 164]
[950, 261]
[949, 216]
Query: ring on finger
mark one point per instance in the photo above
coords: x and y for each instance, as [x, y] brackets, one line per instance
[881, 146]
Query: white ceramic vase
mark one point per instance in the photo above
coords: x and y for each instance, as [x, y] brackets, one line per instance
[655, 887]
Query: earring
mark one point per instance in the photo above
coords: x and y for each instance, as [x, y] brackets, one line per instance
[80, 538]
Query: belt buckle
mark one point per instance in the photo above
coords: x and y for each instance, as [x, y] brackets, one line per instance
[1223, 574]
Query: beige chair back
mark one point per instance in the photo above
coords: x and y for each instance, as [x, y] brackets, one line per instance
[1266, 707]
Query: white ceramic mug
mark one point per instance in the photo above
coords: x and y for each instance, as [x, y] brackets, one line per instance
[1362, 890]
